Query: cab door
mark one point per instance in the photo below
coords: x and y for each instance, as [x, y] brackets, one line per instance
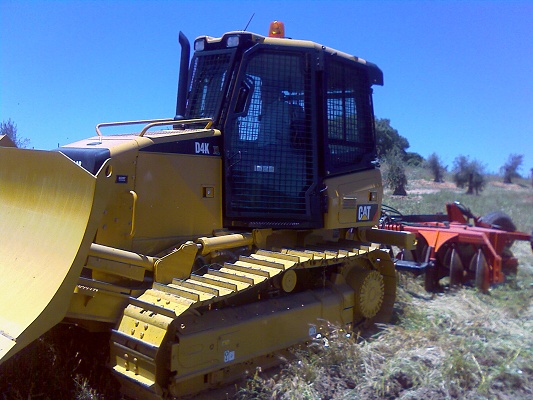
[270, 144]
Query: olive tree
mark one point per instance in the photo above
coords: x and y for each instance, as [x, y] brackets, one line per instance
[510, 168]
[469, 173]
[388, 138]
[395, 176]
[434, 164]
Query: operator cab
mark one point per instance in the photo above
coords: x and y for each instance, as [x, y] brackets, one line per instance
[292, 113]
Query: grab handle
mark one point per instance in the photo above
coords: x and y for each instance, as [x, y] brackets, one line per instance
[134, 205]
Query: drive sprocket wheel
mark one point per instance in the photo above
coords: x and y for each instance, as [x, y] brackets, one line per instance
[373, 280]
[371, 294]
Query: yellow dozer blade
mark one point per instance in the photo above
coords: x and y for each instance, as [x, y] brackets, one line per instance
[49, 212]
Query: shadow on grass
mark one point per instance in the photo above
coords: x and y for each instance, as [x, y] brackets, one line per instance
[65, 363]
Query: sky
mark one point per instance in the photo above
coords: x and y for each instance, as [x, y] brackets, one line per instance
[458, 74]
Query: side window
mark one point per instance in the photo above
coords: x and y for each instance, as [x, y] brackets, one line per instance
[350, 136]
[206, 89]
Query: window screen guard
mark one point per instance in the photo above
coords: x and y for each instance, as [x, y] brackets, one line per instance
[269, 149]
[350, 132]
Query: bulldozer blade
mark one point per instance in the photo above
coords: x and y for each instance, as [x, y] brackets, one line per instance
[48, 219]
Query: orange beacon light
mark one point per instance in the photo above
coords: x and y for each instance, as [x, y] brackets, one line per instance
[277, 29]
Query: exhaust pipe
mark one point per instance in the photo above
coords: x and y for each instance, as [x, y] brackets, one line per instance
[181, 102]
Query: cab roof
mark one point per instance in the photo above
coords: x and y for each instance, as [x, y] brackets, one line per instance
[247, 39]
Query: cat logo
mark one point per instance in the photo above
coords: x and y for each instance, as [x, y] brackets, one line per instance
[202, 148]
[365, 212]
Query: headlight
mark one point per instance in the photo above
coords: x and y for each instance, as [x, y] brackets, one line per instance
[232, 41]
[199, 45]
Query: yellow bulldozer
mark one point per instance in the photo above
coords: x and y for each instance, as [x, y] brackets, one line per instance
[207, 242]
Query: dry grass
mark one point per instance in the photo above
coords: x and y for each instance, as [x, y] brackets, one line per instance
[462, 344]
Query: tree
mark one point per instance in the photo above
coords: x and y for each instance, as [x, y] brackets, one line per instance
[388, 138]
[395, 176]
[510, 168]
[434, 164]
[413, 159]
[470, 174]
[9, 128]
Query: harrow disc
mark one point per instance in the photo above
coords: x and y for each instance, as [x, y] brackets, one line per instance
[456, 268]
[482, 271]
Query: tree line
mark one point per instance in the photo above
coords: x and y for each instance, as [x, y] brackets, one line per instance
[466, 173]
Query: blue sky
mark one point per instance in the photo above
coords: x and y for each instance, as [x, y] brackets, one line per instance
[458, 74]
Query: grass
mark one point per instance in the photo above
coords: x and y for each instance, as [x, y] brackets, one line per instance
[462, 344]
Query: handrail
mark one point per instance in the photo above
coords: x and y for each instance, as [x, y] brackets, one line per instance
[208, 122]
[133, 207]
[155, 122]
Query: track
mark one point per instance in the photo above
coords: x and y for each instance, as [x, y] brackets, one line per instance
[246, 294]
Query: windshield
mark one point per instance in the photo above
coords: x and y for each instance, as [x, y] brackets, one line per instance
[208, 84]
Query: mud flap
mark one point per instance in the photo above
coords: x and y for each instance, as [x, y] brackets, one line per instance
[49, 213]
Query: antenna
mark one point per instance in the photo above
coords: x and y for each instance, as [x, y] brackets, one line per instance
[246, 27]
